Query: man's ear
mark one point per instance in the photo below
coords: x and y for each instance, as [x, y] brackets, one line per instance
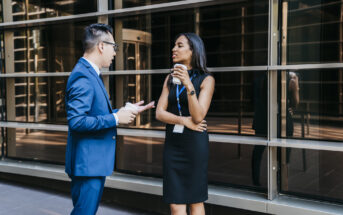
[100, 47]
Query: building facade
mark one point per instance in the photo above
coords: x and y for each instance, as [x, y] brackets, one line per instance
[275, 122]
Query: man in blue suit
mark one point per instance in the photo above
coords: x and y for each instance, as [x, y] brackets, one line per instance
[90, 152]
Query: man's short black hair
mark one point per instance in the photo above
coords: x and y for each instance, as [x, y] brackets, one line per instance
[93, 34]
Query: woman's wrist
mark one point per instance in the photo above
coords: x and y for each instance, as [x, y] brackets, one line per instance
[181, 120]
[189, 87]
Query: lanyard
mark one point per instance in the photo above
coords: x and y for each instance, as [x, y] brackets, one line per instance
[178, 93]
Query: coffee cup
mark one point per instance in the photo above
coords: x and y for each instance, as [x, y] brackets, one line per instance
[177, 80]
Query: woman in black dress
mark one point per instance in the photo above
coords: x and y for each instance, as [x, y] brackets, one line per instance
[183, 108]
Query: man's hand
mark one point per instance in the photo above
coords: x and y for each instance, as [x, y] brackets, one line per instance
[188, 122]
[126, 116]
[142, 108]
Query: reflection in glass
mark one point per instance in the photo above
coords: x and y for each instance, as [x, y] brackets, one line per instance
[36, 144]
[2, 110]
[312, 173]
[33, 9]
[312, 106]
[235, 34]
[2, 54]
[228, 163]
[156, 32]
[54, 48]
[39, 99]
[1, 12]
[241, 111]
[137, 3]
[141, 155]
[314, 31]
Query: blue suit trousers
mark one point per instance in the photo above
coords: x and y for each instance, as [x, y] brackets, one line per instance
[86, 193]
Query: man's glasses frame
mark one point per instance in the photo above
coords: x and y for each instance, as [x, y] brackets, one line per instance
[115, 45]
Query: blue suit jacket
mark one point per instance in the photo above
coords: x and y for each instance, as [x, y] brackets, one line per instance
[92, 126]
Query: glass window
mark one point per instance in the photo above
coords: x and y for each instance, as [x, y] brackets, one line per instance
[39, 99]
[314, 31]
[243, 111]
[53, 48]
[312, 104]
[139, 155]
[238, 165]
[2, 54]
[153, 35]
[137, 3]
[312, 173]
[233, 164]
[1, 13]
[235, 34]
[33, 9]
[2, 113]
[35, 144]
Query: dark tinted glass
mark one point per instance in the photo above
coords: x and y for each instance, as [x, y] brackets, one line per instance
[2, 54]
[2, 111]
[38, 99]
[242, 111]
[313, 107]
[312, 173]
[1, 12]
[155, 32]
[235, 34]
[314, 31]
[137, 3]
[54, 48]
[230, 164]
[36, 144]
[38, 9]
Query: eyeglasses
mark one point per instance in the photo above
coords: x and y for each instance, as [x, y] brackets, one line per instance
[115, 45]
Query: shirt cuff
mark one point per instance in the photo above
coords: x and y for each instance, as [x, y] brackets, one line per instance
[116, 117]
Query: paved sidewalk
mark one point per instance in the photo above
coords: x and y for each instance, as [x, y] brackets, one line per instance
[16, 199]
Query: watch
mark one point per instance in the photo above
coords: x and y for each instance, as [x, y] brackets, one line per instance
[191, 93]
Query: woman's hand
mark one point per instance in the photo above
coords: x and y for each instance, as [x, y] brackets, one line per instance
[188, 122]
[181, 73]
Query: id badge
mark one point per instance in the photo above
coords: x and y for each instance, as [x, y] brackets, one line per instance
[178, 129]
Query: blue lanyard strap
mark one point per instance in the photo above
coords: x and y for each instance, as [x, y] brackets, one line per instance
[178, 93]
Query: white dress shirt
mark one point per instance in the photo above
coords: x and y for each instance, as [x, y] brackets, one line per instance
[96, 68]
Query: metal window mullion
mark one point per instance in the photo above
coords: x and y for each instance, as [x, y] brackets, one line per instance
[272, 97]
[122, 12]
[103, 6]
[136, 132]
[305, 67]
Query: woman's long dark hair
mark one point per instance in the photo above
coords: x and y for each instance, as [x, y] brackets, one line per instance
[196, 45]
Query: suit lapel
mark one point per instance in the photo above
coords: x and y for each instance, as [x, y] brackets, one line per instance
[96, 76]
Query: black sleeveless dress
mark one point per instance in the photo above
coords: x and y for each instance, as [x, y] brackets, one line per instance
[185, 157]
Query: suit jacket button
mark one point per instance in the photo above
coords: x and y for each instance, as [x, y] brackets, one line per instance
[114, 137]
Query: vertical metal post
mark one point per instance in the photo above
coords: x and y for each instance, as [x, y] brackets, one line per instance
[103, 6]
[273, 38]
[118, 35]
[2, 103]
[10, 88]
[284, 169]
